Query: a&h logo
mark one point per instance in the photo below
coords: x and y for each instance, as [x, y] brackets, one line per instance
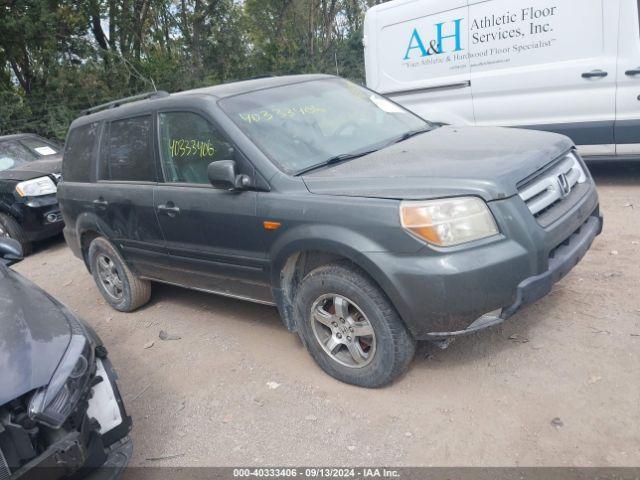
[436, 47]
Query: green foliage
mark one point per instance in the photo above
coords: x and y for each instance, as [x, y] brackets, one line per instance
[60, 57]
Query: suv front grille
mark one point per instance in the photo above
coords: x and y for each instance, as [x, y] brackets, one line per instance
[551, 193]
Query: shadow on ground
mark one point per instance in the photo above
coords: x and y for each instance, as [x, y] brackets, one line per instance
[615, 172]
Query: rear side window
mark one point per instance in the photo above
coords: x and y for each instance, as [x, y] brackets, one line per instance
[188, 144]
[78, 153]
[126, 153]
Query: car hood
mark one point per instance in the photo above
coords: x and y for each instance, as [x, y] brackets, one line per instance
[38, 168]
[34, 334]
[484, 161]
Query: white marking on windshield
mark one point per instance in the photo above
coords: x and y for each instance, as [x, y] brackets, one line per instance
[45, 150]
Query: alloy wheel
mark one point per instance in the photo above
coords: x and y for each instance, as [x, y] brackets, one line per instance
[343, 331]
[110, 277]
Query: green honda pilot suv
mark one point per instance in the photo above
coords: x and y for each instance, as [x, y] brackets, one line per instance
[368, 227]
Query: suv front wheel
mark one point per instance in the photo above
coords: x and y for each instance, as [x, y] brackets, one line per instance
[350, 328]
[119, 286]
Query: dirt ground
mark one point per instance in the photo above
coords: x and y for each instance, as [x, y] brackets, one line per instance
[556, 385]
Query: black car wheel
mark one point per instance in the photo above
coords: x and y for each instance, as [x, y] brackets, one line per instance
[350, 327]
[123, 290]
[9, 227]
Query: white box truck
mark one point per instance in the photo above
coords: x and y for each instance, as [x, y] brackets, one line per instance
[566, 66]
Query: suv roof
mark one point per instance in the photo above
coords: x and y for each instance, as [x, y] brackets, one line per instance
[229, 89]
[217, 91]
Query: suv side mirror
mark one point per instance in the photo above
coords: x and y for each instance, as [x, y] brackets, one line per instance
[10, 250]
[222, 174]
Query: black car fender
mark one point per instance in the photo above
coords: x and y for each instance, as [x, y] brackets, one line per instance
[8, 206]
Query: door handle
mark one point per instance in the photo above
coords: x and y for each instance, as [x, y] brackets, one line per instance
[633, 73]
[595, 74]
[169, 209]
[101, 202]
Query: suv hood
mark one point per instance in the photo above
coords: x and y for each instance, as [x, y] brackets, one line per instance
[484, 161]
[38, 168]
[34, 334]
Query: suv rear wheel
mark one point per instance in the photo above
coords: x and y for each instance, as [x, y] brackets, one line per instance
[350, 327]
[10, 228]
[123, 290]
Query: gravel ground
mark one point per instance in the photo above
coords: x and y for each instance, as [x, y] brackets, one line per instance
[557, 384]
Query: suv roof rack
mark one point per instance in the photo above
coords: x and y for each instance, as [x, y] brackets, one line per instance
[117, 103]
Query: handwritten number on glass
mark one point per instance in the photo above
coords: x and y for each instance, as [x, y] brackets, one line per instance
[181, 147]
[285, 112]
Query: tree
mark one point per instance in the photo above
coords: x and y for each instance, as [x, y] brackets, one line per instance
[59, 57]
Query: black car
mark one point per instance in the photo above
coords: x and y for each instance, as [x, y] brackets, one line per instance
[60, 410]
[29, 173]
[368, 227]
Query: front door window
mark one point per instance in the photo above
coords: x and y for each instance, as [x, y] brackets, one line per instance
[188, 144]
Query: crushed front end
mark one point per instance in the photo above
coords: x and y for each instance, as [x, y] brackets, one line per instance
[77, 430]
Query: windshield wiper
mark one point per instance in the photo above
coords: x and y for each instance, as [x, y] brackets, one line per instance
[350, 156]
[343, 157]
[413, 133]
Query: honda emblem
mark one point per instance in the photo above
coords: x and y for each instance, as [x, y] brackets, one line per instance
[563, 183]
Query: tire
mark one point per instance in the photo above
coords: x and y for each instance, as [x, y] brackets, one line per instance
[10, 227]
[380, 358]
[123, 290]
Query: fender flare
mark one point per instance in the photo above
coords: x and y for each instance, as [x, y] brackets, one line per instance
[339, 241]
[86, 222]
[326, 239]
[90, 222]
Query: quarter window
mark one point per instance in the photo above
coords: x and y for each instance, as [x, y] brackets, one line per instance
[188, 144]
[127, 155]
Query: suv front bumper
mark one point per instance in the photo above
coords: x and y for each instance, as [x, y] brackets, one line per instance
[532, 289]
[40, 217]
[447, 292]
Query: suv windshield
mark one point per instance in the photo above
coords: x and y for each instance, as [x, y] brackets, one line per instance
[16, 152]
[306, 124]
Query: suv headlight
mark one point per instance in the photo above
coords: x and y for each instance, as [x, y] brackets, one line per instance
[53, 403]
[449, 221]
[36, 187]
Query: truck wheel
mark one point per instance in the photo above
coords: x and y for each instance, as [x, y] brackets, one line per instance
[123, 290]
[9, 227]
[350, 327]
